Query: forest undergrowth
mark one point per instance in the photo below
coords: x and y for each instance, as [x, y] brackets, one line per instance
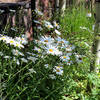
[55, 65]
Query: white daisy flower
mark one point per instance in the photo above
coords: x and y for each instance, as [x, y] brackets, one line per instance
[24, 60]
[48, 25]
[47, 22]
[18, 39]
[46, 40]
[22, 39]
[37, 49]
[16, 52]
[58, 70]
[57, 32]
[89, 15]
[53, 50]
[11, 41]
[3, 38]
[17, 44]
[56, 24]
[62, 41]
[65, 58]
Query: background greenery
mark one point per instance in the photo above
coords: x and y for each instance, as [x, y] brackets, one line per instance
[77, 83]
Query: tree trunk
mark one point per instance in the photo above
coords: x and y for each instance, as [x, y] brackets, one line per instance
[21, 17]
[62, 6]
[12, 1]
[95, 64]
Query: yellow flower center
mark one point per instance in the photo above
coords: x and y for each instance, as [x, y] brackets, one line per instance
[46, 41]
[62, 41]
[68, 51]
[39, 50]
[57, 70]
[50, 50]
[48, 26]
[64, 57]
[56, 24]
[22, 39]
[11, 41]
[17, 45]
[58, 66]
[3, 38]
[16, 52]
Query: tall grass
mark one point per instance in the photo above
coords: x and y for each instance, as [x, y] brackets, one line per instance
[44, 75]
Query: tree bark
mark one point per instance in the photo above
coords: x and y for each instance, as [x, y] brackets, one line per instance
[21, 16]
[62, 6]
[95, 64]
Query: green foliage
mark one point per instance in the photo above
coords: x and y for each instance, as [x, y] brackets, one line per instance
[77, 28]
[36, 79]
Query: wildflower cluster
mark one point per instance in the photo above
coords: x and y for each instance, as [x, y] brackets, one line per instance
[56, 46]
[45, 46]
[45, 26]
[14, 46]
[48, 68]
[11, 41]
